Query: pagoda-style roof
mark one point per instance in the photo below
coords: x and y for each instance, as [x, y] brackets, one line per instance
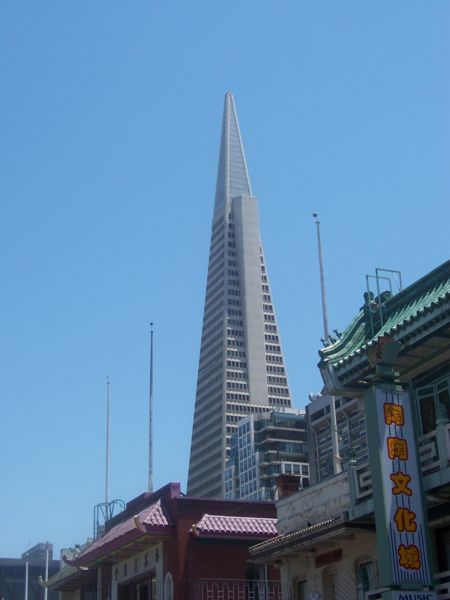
[70, 578]
[152, 518]
[235, 527]
[411, 317]
[127, 537]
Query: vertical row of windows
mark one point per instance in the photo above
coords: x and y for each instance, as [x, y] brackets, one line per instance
[236, 374]
[279, 395]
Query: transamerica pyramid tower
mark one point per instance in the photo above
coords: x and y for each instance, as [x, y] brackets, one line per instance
[241, 367]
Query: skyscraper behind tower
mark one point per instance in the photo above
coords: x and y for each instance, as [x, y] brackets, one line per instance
[241, 367]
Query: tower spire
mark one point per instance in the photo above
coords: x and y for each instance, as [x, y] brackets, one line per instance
[232, 173]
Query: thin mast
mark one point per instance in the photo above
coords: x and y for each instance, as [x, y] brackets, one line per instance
[107, 442]
[150, 416]
[26, 576]
[337, 466]
[326, 331]
[46, 571]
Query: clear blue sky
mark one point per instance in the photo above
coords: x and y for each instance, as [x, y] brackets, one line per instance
[110, 115]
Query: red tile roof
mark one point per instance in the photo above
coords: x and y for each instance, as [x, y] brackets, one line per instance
[154, 516]
[151, 518]
[219, 525]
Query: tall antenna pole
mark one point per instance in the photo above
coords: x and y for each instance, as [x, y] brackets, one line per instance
[326, 331]
[337, 466]
[26, 576]
[46, 571]
[107, 442]
[150, 416]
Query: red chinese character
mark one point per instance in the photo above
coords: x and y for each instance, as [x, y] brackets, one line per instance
[393, 414]
[405, 520]
[401, 481]
[397, 448]
[409, 557]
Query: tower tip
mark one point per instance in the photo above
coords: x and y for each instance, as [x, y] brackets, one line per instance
[232, 174]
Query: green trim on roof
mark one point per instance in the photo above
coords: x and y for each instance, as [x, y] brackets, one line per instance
[400, 310]
[64, 573]
[352, 338]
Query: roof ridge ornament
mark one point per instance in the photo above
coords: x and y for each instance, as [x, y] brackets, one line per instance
[138, 524]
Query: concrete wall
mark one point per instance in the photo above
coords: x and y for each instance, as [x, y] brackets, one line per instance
[314, 505]
[337, 580]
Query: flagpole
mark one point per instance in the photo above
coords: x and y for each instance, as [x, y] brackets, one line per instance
[46, 571]
[26, 578]
[337, 466]
[107, 442]
[150, 416]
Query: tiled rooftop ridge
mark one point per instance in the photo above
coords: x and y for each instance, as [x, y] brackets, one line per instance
[231, 525]
[152, 516]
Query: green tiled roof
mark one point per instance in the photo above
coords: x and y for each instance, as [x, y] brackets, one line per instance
[64, 573]
[353, 338]
[426, 294]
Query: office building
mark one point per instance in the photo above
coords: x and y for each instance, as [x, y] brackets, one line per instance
[351, 437]
[264, 446]
[241, 367]
[16, 573]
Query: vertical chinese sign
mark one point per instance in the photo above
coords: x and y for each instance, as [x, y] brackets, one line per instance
[400, 514]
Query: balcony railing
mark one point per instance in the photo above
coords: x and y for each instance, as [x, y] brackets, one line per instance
[442, 585]
[237, 589]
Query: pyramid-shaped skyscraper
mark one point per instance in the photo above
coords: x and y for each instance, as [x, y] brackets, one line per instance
[241, 367]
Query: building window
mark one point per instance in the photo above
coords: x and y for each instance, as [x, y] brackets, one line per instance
[168, 587]
[433, 404]
[366, 577]
[301, 590]
[329, 585]
[443, 548]
[427, 409]
[442, 389]
[142, 589]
